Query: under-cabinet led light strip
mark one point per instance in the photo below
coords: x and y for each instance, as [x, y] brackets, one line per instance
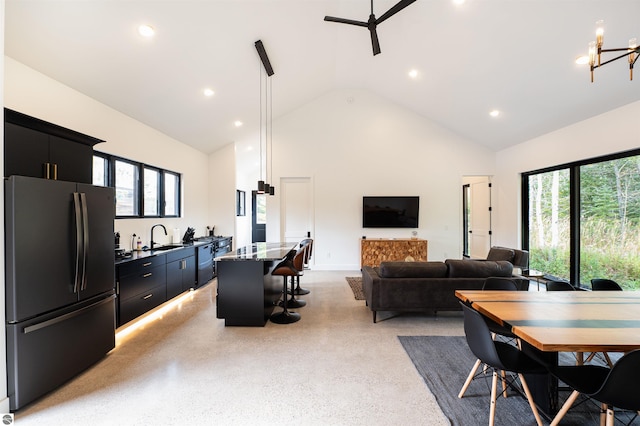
[152, 316]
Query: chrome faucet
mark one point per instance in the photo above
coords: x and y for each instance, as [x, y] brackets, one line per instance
[165, 233]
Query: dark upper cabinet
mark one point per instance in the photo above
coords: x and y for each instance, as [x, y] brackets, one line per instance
[25, 151]
[73, 161]
[36, 148]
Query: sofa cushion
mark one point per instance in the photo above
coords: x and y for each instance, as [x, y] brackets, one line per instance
[500, 253]
[521, 259]
[459, 268]
[413, 270]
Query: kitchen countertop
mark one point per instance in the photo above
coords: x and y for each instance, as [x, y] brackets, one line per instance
[140, 254]
[259, 251]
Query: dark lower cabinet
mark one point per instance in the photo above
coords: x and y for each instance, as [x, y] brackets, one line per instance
[181, 271]
[143, 284]
[205, 264]
[134, 307]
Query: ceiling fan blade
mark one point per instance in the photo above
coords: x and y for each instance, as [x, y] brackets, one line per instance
[345, 21]
[374, 41]
[395, 9]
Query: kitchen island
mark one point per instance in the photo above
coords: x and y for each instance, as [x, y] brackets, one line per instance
[247, 292]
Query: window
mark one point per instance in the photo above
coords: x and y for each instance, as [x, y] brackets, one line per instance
[610, 221]
[126, 184]
[261, 209]
[240, 203]
[549, 222]
[582, 220]
[151, 198]
[171, 194]
[100, 170]
[141, 190]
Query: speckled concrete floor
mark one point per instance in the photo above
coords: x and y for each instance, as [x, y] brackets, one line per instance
[334, 367]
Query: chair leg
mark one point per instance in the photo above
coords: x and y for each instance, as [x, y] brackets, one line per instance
[603, 414]
[567, 404]
[606, 358]
[469, 378]
[611, 419]
[492, 406]
[503, 375]
[530, 399]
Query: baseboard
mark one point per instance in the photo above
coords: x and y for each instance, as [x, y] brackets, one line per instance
[4, 405]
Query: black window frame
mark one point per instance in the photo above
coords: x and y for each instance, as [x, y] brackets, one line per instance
[163, 190]
[139, 192]
[574, 205]
[159, 190]
[107, 169]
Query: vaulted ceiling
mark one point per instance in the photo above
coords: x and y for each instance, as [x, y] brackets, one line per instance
[516, 56]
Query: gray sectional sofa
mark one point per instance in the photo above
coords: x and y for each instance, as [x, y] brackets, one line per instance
[428, 286]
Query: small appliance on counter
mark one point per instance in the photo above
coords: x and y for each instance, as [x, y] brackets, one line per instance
[119, 252]
[188, 235]
[175, 239]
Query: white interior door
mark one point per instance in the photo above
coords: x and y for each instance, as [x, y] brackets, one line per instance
[297, 209]
[480, 218]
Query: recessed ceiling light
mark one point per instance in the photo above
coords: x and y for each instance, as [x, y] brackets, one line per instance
[458, 1]
[208, 92]
[146, 31]
[413, 73]
[237, 123]
[582, 60]
[494, 113]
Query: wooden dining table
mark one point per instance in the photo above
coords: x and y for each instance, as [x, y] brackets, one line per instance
[568, 321]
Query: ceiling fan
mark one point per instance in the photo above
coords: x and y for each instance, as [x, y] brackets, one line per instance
[372, 23]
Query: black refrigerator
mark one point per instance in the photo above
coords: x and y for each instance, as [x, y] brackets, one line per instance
[60, 282]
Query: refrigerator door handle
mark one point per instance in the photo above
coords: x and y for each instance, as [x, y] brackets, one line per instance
[85, 240]
[78, 225]
[65, 317]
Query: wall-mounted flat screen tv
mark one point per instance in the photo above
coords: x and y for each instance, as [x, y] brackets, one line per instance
[390, 212]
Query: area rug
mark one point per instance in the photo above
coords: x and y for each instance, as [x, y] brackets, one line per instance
[356, 286]
[444, 363]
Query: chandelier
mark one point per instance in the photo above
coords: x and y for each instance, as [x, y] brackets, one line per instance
[596, 50]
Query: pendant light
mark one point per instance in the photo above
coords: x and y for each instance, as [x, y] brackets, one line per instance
[263, 186]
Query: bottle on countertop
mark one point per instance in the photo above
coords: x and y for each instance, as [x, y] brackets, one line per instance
[133, 242]
[139, 244]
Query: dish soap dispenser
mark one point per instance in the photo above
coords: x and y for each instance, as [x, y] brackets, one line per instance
[139, 244]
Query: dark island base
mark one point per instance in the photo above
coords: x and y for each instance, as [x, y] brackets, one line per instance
[247, 292]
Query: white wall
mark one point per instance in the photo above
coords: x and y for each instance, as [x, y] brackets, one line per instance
[35, 94]
[222, 191]
[354, 143]
[614, 131]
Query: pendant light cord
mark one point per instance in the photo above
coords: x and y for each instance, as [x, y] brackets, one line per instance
[260, 75]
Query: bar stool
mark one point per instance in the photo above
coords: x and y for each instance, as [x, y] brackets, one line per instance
[308, 242]
[298, 265]
[285, 269]
[307, 245]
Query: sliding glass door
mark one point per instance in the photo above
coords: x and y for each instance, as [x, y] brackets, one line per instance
[610, 221]
[549, 222]
[582, 220]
